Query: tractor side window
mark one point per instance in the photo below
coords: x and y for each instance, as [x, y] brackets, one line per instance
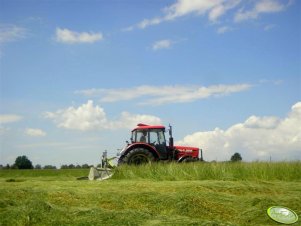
[141, 136]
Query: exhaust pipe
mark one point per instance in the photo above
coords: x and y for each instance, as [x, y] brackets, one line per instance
[201, 159]
[171, 145]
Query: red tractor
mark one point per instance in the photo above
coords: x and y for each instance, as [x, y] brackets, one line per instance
[148, 144]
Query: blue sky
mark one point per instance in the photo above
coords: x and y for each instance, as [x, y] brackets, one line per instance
[76, 76]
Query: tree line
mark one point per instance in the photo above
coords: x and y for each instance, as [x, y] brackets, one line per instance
[22, 162]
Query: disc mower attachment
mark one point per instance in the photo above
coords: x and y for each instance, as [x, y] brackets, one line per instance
[105, 172]
[100, 173]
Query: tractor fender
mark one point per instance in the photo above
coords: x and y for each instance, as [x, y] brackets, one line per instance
[140, 145]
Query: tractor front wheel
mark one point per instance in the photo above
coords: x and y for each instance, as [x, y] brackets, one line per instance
[138, 156]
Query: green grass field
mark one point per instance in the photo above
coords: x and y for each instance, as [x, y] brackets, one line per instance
[157, 194]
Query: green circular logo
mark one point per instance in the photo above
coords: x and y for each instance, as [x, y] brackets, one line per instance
[282, 215]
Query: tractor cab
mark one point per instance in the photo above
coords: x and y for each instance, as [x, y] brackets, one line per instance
[151, 135]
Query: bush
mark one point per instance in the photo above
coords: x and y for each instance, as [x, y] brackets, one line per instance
[85, 166]
[236, 157]
[38, 166]
[22, 162]
[49, 167]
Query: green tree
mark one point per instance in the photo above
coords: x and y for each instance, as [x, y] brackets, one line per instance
[64, 166]
[49, 167]
[236, 157]
[38, 166]
[22, 162]
[71, 166]
[85, 166]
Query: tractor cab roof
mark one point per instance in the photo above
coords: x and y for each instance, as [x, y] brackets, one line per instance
[141, 126]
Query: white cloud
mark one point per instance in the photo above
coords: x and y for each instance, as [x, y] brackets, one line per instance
[214, 8]
[73, 37]
[269, 6]
[147, 22]
[223, 29]
[9, 33]
[162, 44]
[90, 117]
[261, 7]
[85, 117]
[220, 9]
[9, 118]
[256, 138]
[35, 132]
[261, 122]
[158, 95]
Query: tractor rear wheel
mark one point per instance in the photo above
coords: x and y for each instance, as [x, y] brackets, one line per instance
[137, 156]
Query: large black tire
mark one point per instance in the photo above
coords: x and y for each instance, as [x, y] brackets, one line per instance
[137, 156]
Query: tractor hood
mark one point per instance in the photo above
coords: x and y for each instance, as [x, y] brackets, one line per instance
[185, 151]
[186, 148]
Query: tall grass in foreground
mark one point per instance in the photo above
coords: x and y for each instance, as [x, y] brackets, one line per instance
[283, 171]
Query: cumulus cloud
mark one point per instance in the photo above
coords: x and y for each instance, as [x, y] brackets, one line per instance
[85, 117]
[261, 7]
[9, 33]
[35, 132]
[9, 118]
[73, 37]
[262, 122]
[158, 95]
[162, 44]
[90, 117]
[255, 138]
